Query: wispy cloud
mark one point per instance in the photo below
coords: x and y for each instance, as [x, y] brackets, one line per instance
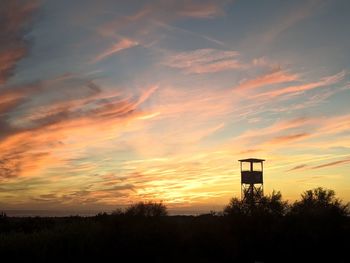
[311, 101]
[188, 33]
[37, 133]
[289, 138]
[297, 89]
[324, 165]
[102, 138]
[281, 126]
[14, 18]
[198, 9]
[250, 151]
[298, 167]
[115, 48]
[275, 77]
[146, 21]
[188, 8]
[286, 21]
[340, 162]
[204, 61]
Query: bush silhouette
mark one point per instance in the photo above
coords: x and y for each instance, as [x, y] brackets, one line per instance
[318, 225]
[320, 202]
[268, 205]
[148, 209]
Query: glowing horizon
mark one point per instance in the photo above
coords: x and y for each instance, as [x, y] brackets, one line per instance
[105, 104]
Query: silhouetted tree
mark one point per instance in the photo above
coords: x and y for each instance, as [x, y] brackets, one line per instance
[314, 229]
[273, 204]
[318, 226]
[269, 205]
[235, 207]
[148, 209]
[118, 212]
[319, 202]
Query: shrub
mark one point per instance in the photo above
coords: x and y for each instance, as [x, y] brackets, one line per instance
[148, 209]
[319, 202]
[269, 205]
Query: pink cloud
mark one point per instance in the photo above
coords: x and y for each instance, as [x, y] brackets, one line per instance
[280, 126]
[216, 66]
[335, 124]
[275, 77]
[204, 61]
[115, 48]
[330, 80]
[201, 10]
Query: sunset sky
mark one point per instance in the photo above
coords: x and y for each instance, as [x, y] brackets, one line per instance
[107, 103]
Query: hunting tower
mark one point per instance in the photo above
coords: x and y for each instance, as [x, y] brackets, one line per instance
[252, 183]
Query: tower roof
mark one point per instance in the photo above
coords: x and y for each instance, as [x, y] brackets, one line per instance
[252, 160]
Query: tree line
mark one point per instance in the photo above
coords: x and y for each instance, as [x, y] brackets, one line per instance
[315, 228]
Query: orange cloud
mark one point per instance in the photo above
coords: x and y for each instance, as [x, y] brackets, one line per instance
[9, 100]
[36, 137]
[250, 151]
[289, 138]
[335, 125]
[325, 132]
[22, 153]
[275, 77]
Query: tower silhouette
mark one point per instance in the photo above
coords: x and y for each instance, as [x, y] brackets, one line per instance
[252, 183]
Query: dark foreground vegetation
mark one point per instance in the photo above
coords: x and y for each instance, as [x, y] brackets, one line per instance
[314, 229]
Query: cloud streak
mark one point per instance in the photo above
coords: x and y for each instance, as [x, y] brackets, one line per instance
[30, 140]
[291, 19]
[298, 167]
[201, 10]
[168, 121]
[324, 165]
[275, 77]
[297, 89]
[340, 162]
[204, 61]
[115, 48]
[147, 20]
[289, 138]
[14, 18]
